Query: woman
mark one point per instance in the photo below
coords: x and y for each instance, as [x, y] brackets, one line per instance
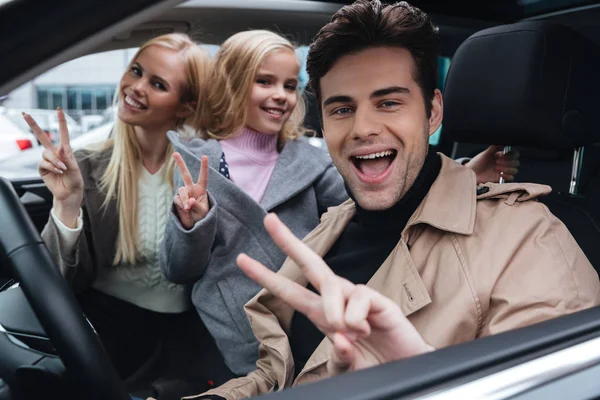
[110, 203]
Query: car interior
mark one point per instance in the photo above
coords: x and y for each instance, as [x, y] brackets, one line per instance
[522, 74]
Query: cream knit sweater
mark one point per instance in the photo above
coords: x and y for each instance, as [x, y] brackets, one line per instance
[142, 284]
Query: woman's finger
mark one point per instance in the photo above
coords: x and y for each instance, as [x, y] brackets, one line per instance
[52, 158]
[47, 166]
[62, 128]
[39, 133]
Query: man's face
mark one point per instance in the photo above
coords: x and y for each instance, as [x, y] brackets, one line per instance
[375, 123]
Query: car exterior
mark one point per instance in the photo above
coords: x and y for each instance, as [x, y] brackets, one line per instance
[13, 140]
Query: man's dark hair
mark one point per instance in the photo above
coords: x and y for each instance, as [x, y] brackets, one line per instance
[368, 23]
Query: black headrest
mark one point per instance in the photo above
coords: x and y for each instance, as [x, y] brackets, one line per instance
[532, 84]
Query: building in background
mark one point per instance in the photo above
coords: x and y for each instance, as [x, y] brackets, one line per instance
[82, 87]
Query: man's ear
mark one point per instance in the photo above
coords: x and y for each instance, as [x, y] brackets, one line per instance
[437, 112]
[186, 109]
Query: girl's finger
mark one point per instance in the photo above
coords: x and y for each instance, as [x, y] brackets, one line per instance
[183, 195]
[203, 175]
[183, 170]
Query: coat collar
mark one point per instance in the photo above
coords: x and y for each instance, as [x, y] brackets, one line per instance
[450, 204]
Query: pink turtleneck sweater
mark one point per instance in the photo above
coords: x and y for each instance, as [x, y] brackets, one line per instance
[251, 157]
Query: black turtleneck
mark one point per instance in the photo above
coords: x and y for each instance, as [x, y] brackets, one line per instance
[361, 249]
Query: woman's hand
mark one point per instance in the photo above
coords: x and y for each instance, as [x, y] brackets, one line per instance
[60, 171]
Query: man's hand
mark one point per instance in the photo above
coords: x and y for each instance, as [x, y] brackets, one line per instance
[365, 327]
[491, 164]
[191, 199]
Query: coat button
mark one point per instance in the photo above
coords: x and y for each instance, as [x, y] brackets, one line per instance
[482, 190]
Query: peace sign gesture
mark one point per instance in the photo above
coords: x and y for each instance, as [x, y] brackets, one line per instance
[58, 168]
[191, 199]
[365, 327]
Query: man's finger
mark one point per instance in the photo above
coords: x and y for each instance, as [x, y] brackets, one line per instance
[343, 356]
[39, 133]
[62, 128]
[334, 302]
[358, 307]
[298, 297]
[313, 267]
[183, 170]
[203, 175]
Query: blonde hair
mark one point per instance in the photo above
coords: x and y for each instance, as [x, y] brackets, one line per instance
[234, 72]
[119, 181]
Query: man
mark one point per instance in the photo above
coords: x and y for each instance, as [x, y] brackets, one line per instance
[443, 263]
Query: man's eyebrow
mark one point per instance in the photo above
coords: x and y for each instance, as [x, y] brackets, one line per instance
[337, 99]
[390, 90]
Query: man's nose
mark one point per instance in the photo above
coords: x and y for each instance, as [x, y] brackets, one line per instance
[366, 124]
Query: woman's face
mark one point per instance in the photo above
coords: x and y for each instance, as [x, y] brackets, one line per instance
[273, 96]
[151, 90]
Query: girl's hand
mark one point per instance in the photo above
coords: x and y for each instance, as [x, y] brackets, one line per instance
[191, 199]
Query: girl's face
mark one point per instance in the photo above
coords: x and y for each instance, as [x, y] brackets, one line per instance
[273, 94]
[151, 90]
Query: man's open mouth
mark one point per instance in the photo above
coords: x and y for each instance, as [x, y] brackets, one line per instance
[374, 165]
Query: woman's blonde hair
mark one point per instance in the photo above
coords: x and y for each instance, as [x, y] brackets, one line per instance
[234, 72]
[120, 180]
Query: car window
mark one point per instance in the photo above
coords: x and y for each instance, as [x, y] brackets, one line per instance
[84, 88]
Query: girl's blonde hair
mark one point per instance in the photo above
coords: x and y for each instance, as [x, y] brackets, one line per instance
[120, 180]
[234, 72]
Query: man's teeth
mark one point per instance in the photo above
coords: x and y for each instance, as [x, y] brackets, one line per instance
[375, 155]
[273, 111]
[132, 102]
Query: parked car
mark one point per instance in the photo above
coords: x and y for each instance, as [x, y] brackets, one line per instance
[13, 140]
[47, 349]
[46, 119]
[23, 166]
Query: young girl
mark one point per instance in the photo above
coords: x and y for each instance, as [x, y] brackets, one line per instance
[110, 203]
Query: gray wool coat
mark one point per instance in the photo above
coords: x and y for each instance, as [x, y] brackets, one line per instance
[303, 185]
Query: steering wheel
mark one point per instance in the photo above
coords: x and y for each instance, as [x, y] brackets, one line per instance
[54, 303]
